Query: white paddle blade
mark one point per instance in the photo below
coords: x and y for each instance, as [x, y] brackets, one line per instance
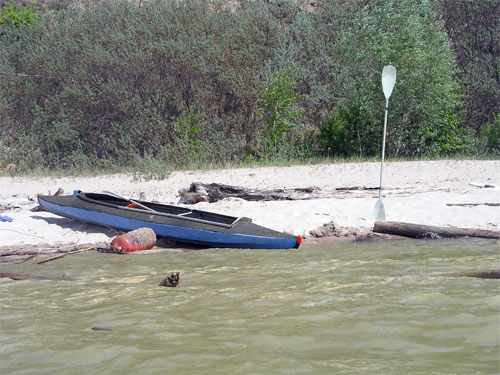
[379, 211]
[388, 80]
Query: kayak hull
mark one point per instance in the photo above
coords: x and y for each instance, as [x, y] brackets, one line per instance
[222, 232]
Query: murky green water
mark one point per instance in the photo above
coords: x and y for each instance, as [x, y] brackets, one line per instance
[366, 308]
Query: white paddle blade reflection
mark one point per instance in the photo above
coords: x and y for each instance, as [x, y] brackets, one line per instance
[379, 211]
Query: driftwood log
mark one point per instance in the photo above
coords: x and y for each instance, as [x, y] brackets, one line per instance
[62, 255]
[473, 204]
[430, 231]
[487, 273]
[350, 188]
[23, 253]
[201, 192]
[19, 276]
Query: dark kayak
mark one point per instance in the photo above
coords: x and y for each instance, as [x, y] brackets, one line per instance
[172, 222]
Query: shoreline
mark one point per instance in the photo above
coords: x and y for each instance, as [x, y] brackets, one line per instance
[416, 192]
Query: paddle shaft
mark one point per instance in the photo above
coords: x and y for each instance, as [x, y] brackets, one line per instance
[383, 146]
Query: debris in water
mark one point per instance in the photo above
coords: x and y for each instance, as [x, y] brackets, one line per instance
[488, 273]
[171, 281]
[431, 235]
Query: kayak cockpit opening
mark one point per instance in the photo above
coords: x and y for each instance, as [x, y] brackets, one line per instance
[114, 200]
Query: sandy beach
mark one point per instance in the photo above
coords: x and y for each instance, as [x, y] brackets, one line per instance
[415, 192]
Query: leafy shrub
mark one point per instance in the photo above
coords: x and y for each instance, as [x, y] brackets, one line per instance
[16, 16]
[474, 30]
[406, 34]
[121, 79]
[115, 83]
[348, 131]
[447, 136]
[281, 110]
[493, 137]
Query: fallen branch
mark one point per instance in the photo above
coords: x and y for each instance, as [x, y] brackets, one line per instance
[346, 188]
[18, 276]
[487, 273]
[426, 231]
[62, 255]
[200, 192]
[481, 185]
[45, 249]
[473, 204]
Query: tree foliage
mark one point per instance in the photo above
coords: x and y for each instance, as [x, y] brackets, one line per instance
[407, 35]
[17, 15]
[117, 82]
[281, 110]
[474, 30]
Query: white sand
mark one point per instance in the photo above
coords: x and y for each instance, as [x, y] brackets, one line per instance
[415, 192]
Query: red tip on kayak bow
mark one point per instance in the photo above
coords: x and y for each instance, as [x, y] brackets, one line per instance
[299, 242]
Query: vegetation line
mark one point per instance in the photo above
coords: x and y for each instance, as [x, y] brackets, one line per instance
[164, 85]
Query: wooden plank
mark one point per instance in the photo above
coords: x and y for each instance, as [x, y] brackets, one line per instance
[430, 231]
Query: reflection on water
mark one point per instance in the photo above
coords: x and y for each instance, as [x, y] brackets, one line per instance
[371, 308]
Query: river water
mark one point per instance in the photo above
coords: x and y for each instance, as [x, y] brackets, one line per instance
[348, 308]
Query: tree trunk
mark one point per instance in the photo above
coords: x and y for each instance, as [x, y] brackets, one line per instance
[429, 231]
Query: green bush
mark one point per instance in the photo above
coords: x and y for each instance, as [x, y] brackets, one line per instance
[186, 82]
[474, 29]
[349, 132]
[447, 137]
[403, 33]
[281, 110]
[118, 79]
[493, 137]
[16, 16]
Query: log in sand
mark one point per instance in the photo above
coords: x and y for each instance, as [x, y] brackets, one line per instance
[430, 231]
[201, 192]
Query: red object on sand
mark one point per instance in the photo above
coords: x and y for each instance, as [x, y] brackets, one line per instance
[139, 239]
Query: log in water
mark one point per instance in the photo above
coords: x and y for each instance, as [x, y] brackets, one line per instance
[426, 231]
[486, 273]
[19, 276]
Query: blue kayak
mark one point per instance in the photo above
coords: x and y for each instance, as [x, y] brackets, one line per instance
[168, 221]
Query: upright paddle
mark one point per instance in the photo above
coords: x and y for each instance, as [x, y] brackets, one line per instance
[388, 81]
